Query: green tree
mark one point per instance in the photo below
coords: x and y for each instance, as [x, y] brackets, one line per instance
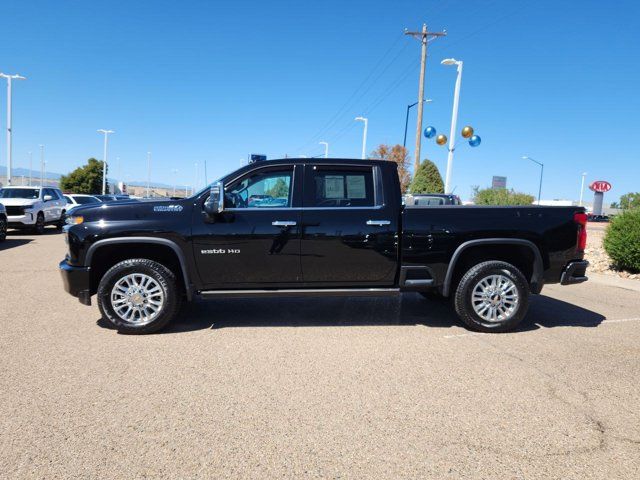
[85, 179]
[500, 196]
[427, 179]
[622, 240]
[399, 155]
[630, 200]
[280, 189]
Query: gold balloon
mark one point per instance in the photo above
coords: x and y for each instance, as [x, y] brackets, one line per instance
[467, 132]
[441, 139]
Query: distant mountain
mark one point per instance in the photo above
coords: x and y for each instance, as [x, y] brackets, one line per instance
[19, 172]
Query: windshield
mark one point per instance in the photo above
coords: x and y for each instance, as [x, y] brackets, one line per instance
[27, 193]
[85, 200]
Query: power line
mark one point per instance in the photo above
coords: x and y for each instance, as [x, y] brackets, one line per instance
[357, 91]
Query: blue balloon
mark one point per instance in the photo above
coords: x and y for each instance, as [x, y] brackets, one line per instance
[430, 132]
[475, 141]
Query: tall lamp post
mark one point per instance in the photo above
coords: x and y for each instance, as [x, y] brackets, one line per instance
[406, 122]
[541, 172]
[326, 149]
[148, 174]
[9, 78]
[454, 120]
[104, 164]
[584, 174]
[30, 166]
[174, 171]
[364, 136]
[41, 166]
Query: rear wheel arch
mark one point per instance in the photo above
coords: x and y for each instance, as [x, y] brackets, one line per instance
[523, 254]
[104, 254]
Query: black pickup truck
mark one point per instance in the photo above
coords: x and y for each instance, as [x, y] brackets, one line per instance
[316, 227]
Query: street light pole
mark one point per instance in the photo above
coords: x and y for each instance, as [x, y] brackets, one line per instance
[454, 121]
[541, 172]
[148, 173]
[30, 166]
[174, 171]
[584, 174]
[41, 166]
[406, 122]
[104, 161]
[364, 136]
[9, 78]
[326, 149]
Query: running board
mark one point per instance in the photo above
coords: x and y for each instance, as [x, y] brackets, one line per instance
[303, 292]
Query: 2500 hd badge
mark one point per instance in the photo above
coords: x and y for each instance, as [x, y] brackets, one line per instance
[317, 227]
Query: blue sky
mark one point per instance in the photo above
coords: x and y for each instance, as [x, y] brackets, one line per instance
[199, 80]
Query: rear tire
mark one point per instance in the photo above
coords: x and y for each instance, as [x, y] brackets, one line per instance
[492, 296]
[139, 296]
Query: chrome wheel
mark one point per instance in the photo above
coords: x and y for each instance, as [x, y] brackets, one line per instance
[137, 298]
[495, 298]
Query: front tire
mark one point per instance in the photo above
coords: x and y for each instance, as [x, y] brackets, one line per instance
[492, 296]
[62, 221]
[38, 228]
[139, 296]
[3, 229]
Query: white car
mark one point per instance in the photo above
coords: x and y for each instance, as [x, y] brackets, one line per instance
[33, 207]
[75, 199]
[3, 223]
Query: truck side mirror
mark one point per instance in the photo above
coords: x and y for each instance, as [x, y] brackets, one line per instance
[215, 203]
[47, 198]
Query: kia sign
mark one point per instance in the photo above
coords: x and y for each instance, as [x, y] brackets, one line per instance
[600, 186]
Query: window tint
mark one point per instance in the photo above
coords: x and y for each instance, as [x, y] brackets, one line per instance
[86, 200]
[28, 193]
[342, 187]
[68, 199]
[48, 191]
[261, 189]
[429, 201]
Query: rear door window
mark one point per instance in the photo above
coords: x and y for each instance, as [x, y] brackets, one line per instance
[341, 187]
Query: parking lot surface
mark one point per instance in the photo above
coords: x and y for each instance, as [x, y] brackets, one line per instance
[317, 388]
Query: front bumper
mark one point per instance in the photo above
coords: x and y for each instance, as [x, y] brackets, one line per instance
[574, 272]
[76, 281]
[17, 221]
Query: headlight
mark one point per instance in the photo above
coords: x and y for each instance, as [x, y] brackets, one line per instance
[74, 219]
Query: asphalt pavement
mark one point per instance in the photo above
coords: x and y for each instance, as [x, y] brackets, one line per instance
[314, 388]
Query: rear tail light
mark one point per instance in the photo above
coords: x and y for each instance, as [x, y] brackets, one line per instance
[581, 220]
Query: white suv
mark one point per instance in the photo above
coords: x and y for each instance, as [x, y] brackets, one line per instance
[33, 207]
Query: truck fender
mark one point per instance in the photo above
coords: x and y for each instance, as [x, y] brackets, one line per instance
[538, 266]
[159, 241]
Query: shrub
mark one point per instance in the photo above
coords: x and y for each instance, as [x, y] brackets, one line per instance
[500, 196]
[427, 179]
[622, 240]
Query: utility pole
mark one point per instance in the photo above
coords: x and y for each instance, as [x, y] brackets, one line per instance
[424, 37]
[9, 128]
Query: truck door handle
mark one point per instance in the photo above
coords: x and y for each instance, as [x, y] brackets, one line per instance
[379, 223]
[283, 223]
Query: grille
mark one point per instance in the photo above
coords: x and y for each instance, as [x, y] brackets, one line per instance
[15, 211]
